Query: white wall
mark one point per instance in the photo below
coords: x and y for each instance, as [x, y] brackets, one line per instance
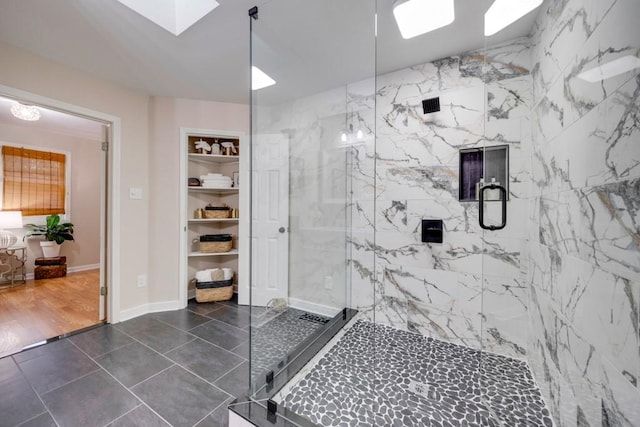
[85, 156]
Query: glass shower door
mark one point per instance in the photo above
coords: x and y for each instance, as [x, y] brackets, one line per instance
[306, 140]
[506, 384]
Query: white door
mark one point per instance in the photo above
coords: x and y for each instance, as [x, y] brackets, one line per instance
[269, 218]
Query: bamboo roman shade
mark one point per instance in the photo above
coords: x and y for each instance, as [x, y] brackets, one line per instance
[33, 181]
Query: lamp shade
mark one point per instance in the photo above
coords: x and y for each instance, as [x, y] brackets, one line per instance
[10, 219]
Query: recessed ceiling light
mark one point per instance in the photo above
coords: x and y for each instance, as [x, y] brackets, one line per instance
[415, 17]
[174, 16]
[503, 13]
[259, 79]
[25, 112]
[610, 69]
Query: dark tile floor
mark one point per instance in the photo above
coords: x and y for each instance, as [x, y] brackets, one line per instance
[178, 368]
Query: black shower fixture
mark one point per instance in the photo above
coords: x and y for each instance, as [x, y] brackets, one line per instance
[431, 105]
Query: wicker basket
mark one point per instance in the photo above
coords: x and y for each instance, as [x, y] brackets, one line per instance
[221, 290]
[215, 247]
[217, 213]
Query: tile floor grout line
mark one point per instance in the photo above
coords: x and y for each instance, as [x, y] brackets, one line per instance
[123, 415]
[213, 344]
[152, 376]
[102, 354]
[44, 405]
[164, 323]
[226, 401]
[180, 366]
[236, 347]
[183, 330]
[98, 368]
[142, 403]
[46, 411]
[208, 312]
[129, 389]
[207, 381]
[225, 324]
[194, 337]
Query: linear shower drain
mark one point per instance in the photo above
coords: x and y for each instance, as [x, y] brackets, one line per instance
[314, 318]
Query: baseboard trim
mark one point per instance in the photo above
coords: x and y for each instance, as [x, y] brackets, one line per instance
[312, 307]
[75, 269]
[152, 307]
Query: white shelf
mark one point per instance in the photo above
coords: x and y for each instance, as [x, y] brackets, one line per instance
[206, 220]
[200, 254]
[213, 190]
[214, 158]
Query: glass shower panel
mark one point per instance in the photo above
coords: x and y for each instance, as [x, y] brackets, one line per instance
[310, 142]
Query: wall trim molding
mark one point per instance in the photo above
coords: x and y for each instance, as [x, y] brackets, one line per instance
[75, 269]
[152, 307]
[312, 307]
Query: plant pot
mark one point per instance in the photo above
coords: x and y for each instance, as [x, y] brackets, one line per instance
[50, 249]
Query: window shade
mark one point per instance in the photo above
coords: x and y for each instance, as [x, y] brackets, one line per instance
[33, 182]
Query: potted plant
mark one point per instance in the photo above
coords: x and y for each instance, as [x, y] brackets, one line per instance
[54, 234]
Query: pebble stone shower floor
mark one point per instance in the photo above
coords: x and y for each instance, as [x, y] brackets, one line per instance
[380, 376]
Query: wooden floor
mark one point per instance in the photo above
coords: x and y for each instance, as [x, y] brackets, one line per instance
[43, 309]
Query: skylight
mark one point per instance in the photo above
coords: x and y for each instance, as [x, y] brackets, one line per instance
[174, 16]
[259, 79]
[416, 17]
[503, 13]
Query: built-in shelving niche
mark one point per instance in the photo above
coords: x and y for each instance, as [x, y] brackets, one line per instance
[486, 164]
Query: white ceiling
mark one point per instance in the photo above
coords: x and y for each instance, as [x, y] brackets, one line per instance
[333, 39]
[53, 121]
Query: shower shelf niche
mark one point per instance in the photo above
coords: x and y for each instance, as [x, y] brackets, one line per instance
[490, 164]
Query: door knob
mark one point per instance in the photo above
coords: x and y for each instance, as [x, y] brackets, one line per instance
[282, 229]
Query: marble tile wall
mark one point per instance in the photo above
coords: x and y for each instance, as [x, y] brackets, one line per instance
[584, 241]
[410, 172]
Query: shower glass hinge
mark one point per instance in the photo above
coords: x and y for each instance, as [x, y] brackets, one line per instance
[269, 380]
[103, 291]
[272, 408]
[105, 146]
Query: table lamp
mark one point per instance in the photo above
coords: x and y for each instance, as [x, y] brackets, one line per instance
[8, 220]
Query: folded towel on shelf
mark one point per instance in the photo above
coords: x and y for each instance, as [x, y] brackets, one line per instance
[216, 182]
[203, 276]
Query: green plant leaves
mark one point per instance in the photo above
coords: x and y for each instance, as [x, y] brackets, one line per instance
[53, 231]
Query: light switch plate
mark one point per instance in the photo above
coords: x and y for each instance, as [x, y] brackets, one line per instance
[135, 193]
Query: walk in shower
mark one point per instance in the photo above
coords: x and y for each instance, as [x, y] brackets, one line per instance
[445, 230]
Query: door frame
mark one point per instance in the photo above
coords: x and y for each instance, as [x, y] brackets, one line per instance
[110, 247]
